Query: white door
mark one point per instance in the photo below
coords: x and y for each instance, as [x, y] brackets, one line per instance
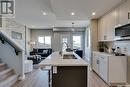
[103, 67]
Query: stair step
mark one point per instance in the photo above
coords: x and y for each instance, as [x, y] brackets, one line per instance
[5, 73]
[9, 81]
[2, 66]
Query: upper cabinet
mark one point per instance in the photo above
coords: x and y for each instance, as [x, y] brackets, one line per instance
[117, 17]
[106, 26]
[124, 11]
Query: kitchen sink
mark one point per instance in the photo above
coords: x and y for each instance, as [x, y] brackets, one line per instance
[69, 57]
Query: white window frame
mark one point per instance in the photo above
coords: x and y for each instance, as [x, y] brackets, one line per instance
[80, 42]
[44, 43]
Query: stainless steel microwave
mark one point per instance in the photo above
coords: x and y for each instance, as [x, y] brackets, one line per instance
[122, 32]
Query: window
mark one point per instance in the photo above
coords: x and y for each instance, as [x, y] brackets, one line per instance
[76, 42]
[41, 39]
[45, 41]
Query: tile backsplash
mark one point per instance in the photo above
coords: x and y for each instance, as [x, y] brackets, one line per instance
[124, 45]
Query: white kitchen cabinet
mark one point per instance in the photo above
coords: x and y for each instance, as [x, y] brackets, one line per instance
[95, 63]
[112, 69]
[124, 9]
[106, 26]
[103, 70]
[115, 18]
[100, 30]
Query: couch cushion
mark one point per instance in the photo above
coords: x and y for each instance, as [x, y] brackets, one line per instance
[40, 50]
[45, 51]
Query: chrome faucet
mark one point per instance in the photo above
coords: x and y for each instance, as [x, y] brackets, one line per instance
[66, 44]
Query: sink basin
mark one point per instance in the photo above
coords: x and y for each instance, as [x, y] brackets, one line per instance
[69, 57]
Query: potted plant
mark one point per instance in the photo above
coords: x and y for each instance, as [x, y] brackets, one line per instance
[102, 46]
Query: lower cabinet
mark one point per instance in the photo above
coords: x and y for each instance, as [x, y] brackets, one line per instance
[103, 67]
[112, 69]
[70, 76]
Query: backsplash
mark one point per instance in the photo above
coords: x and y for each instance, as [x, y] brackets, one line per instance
[124, 46]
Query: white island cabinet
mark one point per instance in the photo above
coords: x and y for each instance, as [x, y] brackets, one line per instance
[112, 69]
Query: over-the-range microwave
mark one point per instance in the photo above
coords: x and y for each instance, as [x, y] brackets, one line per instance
[122, 32]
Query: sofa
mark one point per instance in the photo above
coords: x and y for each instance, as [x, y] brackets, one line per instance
[42, 52]
[37, 55]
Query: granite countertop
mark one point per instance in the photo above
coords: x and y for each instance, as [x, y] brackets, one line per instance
[55, 59]
[104, 53]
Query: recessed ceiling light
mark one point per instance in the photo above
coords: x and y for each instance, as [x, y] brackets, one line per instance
[44, 13]
[72, 13]
[93, 13]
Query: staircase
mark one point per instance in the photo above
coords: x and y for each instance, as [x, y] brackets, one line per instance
[7, 76]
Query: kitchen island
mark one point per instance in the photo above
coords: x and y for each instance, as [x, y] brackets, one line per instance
[68, 70]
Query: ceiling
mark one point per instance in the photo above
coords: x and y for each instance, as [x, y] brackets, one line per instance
[30, 12]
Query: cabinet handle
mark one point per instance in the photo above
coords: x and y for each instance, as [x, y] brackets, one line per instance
[97, 61]
[105, 37]
[128, 15]
[102, 57]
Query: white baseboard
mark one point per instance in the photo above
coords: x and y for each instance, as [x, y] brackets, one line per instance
[21, 77]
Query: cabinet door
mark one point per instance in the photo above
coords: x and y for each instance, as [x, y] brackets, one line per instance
[106, 26]
[124, 9]
[110, 26]
[70, 76]
[103, 68]
[101, 29]
[95, 63]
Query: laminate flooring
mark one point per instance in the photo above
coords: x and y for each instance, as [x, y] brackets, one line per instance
[39, 78]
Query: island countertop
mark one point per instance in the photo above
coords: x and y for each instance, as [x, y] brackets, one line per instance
[55, 59]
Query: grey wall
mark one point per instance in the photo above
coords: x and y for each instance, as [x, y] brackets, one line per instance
[8, 56]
